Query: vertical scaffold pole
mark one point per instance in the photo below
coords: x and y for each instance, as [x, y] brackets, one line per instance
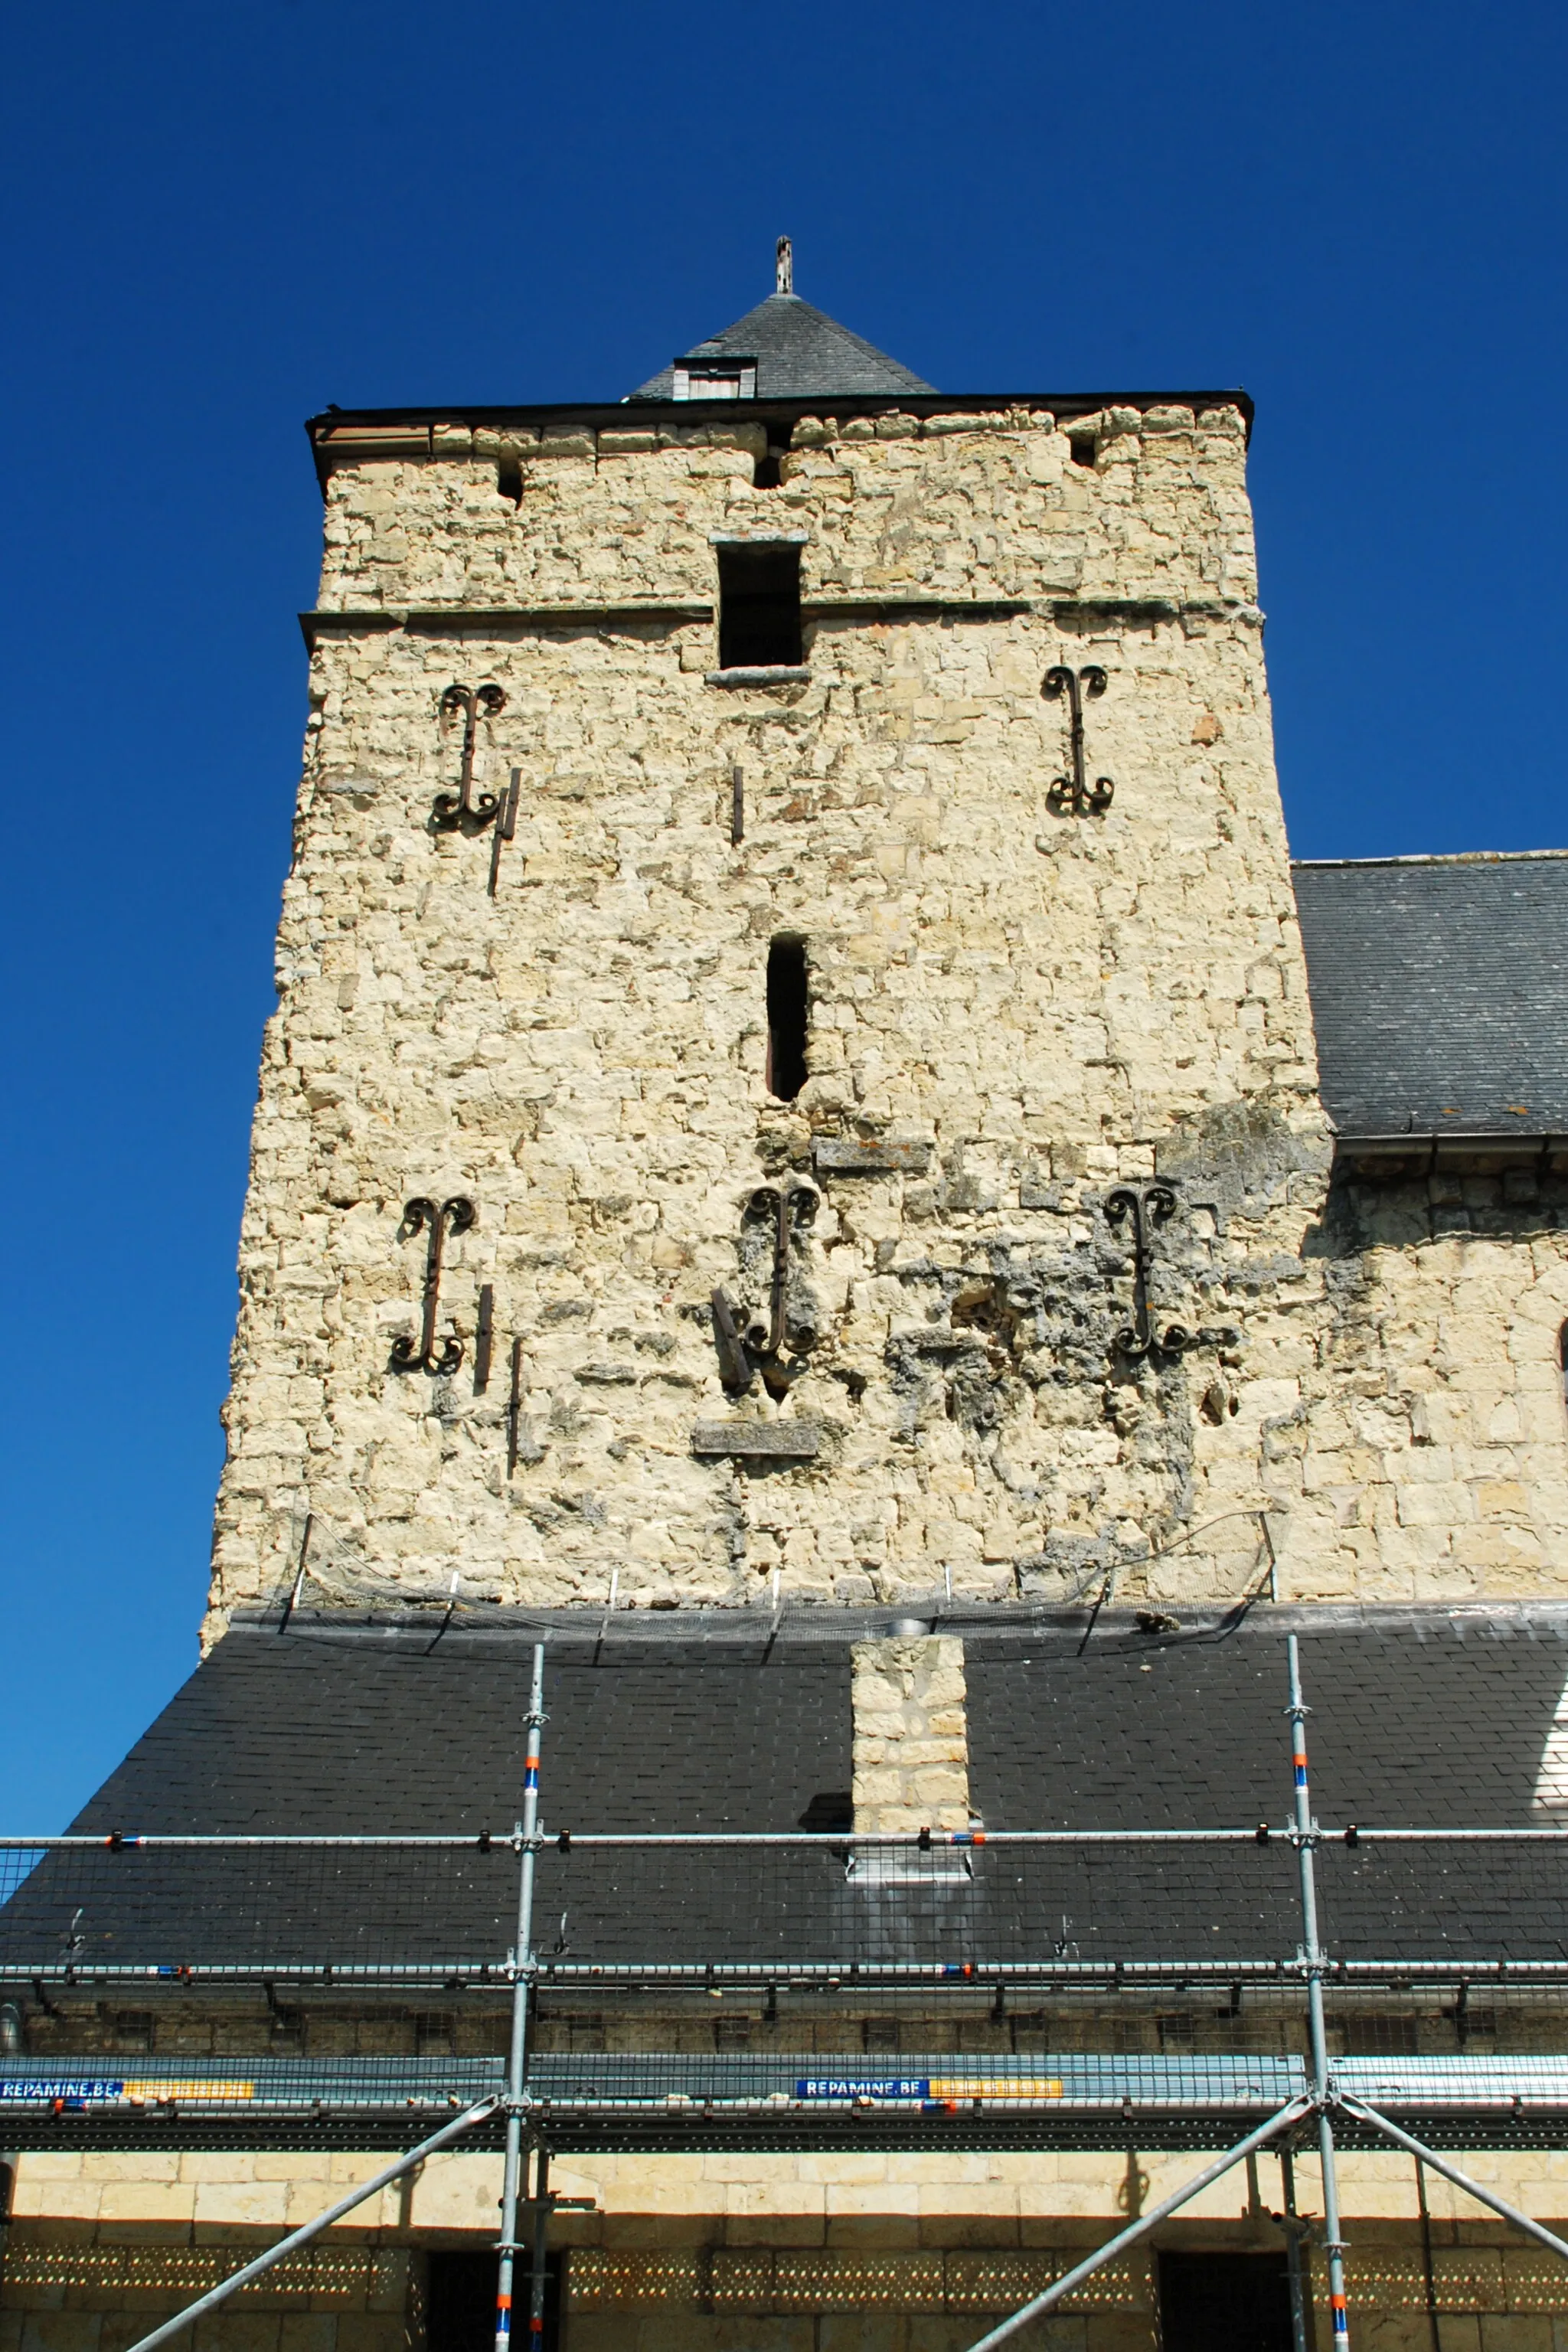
[1305, 1841]
[536, 2285]
[525, 1840]
[1294, 2230]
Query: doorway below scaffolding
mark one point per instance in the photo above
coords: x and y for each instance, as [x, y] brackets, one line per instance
[460, 2302]
[1224, 2302]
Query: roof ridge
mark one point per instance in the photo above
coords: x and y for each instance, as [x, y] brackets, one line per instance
[1436, 858]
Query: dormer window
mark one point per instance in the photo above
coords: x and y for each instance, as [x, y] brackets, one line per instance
[717, 378]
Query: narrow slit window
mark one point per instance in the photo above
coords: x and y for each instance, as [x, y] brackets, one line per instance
[1562, 1361]
[788, 1017]
[759, 607]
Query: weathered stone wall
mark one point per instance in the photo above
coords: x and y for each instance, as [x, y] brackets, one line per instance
[1031, 1003]
[1013, 1011]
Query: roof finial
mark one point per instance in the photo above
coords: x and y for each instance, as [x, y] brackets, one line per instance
[783, 267]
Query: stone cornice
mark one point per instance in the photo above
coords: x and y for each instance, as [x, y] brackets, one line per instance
[352, 436]
[526, 620]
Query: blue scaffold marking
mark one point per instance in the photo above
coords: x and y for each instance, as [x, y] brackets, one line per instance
[863, 2086]
[61, 2087]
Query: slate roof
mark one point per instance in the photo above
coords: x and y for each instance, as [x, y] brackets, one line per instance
[800, 353]
[377, 1730]
[1440, 992]
[383, 1728]
[1420, 1719]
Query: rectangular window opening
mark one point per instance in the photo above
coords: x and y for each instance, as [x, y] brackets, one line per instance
[1082, 447]
[759, 607]
[788, 1018]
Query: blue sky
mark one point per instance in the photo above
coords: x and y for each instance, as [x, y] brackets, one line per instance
[222, 218]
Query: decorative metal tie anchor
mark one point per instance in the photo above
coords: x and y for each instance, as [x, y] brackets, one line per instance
[454, 812]
[1147, 1207]
[788, 1208]
[421, 1215]
[1075, 796]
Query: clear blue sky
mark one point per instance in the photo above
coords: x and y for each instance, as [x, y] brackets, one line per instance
[222, 218]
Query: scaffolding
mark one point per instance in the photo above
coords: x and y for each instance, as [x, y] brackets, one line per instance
[1278, 1942]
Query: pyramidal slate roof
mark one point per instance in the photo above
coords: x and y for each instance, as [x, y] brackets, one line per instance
[1439, 992]
[801, 353]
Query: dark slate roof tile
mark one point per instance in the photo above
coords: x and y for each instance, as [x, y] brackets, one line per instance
[1427, 1726]
[1439, 992]
[1419, 1719]
[296, 1733]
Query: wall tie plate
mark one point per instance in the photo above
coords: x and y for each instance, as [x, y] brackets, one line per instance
[756, 1440]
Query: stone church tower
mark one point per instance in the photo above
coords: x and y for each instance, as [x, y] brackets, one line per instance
[794, 1076]
[795, 1101]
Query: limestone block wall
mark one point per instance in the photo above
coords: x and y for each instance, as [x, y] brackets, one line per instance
[1013, 1012]
[974, 505]
[912, 2254]
[1431, 1441]
[911, 1736]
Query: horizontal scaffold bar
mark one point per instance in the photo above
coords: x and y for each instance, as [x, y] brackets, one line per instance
[624, 2080]
[808, 1840]
[835, 1975]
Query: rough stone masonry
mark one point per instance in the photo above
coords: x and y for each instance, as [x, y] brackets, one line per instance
[1019, 1003]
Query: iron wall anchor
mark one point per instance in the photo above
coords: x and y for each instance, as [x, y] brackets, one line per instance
[505, 827]
[422, 1215]
[789, 1209]
[514, 1407]
[735, 1368]
[792, 1208]
[453, 811]
[1075, 796]
[1146, 1208]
